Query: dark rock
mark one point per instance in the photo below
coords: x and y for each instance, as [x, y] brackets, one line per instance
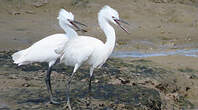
[187, 88]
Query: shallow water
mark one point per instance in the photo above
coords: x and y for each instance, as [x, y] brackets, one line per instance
[137, 54]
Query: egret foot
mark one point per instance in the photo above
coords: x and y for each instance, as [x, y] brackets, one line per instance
[68, 105]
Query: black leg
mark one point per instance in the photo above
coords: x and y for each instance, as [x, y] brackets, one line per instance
[90, 79]
[48, 84]
[89, 91]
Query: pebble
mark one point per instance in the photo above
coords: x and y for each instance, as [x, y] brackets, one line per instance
[124, 81]
[96, 81]
[26, 85]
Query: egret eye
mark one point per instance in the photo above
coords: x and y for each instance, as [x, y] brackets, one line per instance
[113, 17]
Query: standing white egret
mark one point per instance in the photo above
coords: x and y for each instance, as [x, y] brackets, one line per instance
[44, 50]
[88, 49]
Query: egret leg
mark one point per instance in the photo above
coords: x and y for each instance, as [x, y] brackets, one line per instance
[68, 85]
[68, 91]
[48, 84]
[90, 78]
[89, 92]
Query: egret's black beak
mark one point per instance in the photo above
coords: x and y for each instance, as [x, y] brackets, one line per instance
[118, 21]
[76, 23]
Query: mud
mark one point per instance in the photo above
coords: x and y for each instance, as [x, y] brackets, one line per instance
[120, 84]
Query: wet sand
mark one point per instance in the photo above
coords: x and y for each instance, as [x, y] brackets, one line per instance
[158, 82]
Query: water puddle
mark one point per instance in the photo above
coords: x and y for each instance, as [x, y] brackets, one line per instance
[137, 54]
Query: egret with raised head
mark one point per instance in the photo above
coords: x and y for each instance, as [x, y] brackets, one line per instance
[89, 49]
[44, 50]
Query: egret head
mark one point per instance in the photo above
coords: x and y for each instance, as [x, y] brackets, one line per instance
[111, 15]
[67, 18]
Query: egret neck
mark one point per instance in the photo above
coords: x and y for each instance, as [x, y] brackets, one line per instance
[70, 31]
[109, 33]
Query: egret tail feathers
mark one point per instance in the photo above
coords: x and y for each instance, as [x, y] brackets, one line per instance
[16, 56]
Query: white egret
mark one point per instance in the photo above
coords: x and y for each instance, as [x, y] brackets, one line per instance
[89, 49]
[44, 50]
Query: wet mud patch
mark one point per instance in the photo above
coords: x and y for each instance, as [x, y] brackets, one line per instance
[103, 96]
[27, 98]
[121, 84]
[130, 96]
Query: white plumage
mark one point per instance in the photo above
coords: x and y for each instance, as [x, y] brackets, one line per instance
[44, 50]
[89, 49]
[41, 51]
[86, 48]
[80, 50]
